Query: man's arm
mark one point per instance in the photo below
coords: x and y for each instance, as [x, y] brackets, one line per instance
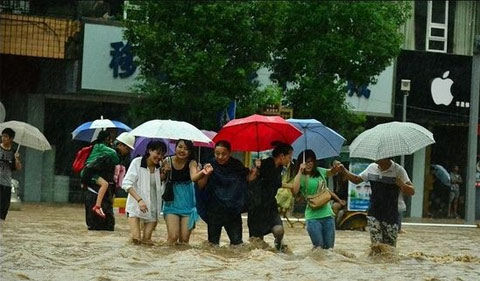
[407, 188]
[351, 177]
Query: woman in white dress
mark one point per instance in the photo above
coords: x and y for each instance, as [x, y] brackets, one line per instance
[143, 182]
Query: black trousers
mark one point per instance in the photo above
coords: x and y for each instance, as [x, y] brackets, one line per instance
[232, 224]
[5, 196]
[95, 222]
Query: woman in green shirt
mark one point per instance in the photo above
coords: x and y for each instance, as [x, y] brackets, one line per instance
[320, 222]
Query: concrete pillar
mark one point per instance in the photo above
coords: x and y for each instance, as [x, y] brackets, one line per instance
[34, 158]
[418, 179]
[48, 175]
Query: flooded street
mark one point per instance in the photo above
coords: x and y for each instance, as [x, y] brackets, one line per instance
[51, 242]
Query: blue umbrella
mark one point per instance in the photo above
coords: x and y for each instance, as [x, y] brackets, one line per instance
[441, 174]
[88, 131]
[324, 141]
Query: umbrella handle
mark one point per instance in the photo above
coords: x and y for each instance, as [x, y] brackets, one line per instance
[199, 155]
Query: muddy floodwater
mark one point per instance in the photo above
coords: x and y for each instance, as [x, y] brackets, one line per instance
[51, 242]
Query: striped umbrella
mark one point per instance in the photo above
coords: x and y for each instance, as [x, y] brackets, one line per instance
[88, 131]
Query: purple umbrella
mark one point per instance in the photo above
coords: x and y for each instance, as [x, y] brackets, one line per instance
[142, 142]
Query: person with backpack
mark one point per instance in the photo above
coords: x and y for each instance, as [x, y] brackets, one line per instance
[98, 176]
[9, 162]
[225, 182]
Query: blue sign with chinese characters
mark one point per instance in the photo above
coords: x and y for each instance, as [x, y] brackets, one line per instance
[362, 90]
[122, 59]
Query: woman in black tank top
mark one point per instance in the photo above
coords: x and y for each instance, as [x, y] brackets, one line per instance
[181, 213]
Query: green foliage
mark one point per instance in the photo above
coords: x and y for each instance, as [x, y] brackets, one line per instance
[328, 43]
[196, 56]
[272, 94]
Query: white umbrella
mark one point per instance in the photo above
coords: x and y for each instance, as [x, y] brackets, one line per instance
[389, 140]
[27, 135]
[170, 129]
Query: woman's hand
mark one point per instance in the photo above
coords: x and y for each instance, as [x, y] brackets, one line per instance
[143, 206]
[207, 169]
[302, 167]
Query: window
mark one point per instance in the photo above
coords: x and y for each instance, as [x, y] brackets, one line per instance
[129, 8]
[15, 7]
[434, 25]
[437, 26]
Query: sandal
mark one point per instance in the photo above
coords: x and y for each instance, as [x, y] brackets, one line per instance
[97, 210]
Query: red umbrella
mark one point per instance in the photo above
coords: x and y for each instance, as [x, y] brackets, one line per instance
[256, 132]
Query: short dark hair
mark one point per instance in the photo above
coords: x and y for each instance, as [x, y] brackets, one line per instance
[9, 132]
[224, 143]
[281, 148]
[155, 145]
[102, 136]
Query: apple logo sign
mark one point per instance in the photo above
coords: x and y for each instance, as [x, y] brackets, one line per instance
[440, 89]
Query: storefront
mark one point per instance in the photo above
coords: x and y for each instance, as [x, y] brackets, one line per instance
[439, 99]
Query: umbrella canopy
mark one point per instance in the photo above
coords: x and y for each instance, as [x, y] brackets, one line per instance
[324, 141]
[27, 135]
[88, 131]
[141, 146]
[389, 140]
[256, 132]
[441, 174]
[210, 135]
[142, 142]
[170, 129]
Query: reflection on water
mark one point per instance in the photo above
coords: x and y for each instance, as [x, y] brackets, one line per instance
[48, 242]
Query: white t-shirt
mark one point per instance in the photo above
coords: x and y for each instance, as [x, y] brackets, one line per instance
[383, 197]
[389, 175]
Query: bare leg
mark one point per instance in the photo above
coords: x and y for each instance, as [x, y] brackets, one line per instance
[173, 228]
[278, 232]
[455, 207]
[134, 224]
[184, 231]
[148, 230]
[101, 193]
